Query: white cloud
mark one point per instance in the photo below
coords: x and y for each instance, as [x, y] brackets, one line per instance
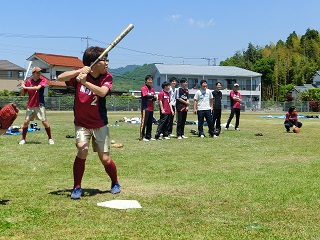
[174, 17]
[201, 23]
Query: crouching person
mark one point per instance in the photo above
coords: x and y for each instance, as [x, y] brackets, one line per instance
[292, 120]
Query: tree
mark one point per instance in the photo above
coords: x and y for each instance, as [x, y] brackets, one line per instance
[265, 66]
[236, 60]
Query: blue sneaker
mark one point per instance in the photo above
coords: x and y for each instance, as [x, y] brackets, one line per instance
[115, 188]
[76, 193]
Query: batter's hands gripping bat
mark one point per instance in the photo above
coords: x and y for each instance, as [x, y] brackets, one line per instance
[112, 45]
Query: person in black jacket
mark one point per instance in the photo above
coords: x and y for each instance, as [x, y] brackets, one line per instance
[216, 112]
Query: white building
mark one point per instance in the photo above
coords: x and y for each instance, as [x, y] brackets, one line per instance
[249, 81]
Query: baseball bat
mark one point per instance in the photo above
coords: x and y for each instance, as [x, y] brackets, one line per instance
[112, 45]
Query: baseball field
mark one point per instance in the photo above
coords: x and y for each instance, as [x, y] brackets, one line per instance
[257, 183]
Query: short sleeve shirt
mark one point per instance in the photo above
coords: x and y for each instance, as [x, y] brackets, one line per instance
[203, 99]
[36, 97]
[182, 93]
[146, 94]
[164, 97]
[235, 104]
[90, 109]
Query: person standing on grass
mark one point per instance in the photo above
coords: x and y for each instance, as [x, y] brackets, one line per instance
[173, 93]
[182, 107]
[236, 98]
[148, 97]
[202, 106]
[166, 112]
[216, 113]
[92, 85]
[35, 109]
[292, 119]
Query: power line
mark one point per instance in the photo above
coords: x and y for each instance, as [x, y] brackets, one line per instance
[20, 35]
[87, 38]
[153, 54]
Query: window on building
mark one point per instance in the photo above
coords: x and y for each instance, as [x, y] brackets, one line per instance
[212, 83]
[230, 83]
[21, 75]
[251, 85]
[193, 83]
[10, 74]
[158, 81]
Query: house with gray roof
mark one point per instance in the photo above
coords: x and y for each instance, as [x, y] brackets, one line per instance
[316, 79]
[11, 75]
[249, 81]
[298, 90]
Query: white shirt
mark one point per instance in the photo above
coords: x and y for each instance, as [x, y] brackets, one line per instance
[203, 99]
[173, 93]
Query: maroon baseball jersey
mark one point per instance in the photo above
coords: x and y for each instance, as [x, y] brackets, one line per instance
[89, 109]
[234, 104]
[147, 93]
[164, 97]
[36, 97]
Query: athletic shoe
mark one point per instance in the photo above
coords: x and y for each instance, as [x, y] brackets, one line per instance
[202, 136]
[237, 129]
[51, 142]
[146, 140]
[183, 136]
[166, 138]
[215, 136]
[152, 139]
[76, 193]
[22, 142]
[115, 188]
[179, 137]
[226, 129]
[172, 135]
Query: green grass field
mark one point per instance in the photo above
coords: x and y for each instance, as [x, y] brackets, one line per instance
[236, 186]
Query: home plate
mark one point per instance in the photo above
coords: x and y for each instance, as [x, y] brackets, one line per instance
[120, 204]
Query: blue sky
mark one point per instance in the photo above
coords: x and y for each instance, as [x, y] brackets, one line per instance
[166, 31]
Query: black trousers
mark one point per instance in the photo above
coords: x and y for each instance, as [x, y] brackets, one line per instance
[205, 114]
[181, 122]
[163, 125]
[234, 111]
[146, 124]
[216, 114]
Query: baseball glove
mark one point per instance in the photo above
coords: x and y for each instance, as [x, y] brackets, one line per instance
[117, 145]
[296, 129]
[8, 114]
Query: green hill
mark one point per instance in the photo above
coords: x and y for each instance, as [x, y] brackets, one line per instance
[130, 77]
[122, 70]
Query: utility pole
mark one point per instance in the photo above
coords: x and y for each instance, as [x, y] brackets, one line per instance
[215, 61]
[210, 59]
[86, 38]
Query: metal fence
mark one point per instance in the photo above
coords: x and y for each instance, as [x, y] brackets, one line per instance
[65, 103]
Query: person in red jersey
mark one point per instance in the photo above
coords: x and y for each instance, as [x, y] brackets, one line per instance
[35, 108]
[292, 119]
[148, 97]
[235, 100]
[92, 84]
[166, 112]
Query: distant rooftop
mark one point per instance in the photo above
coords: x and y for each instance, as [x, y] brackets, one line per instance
[227, 71]
[58, 60]
[9, 66]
